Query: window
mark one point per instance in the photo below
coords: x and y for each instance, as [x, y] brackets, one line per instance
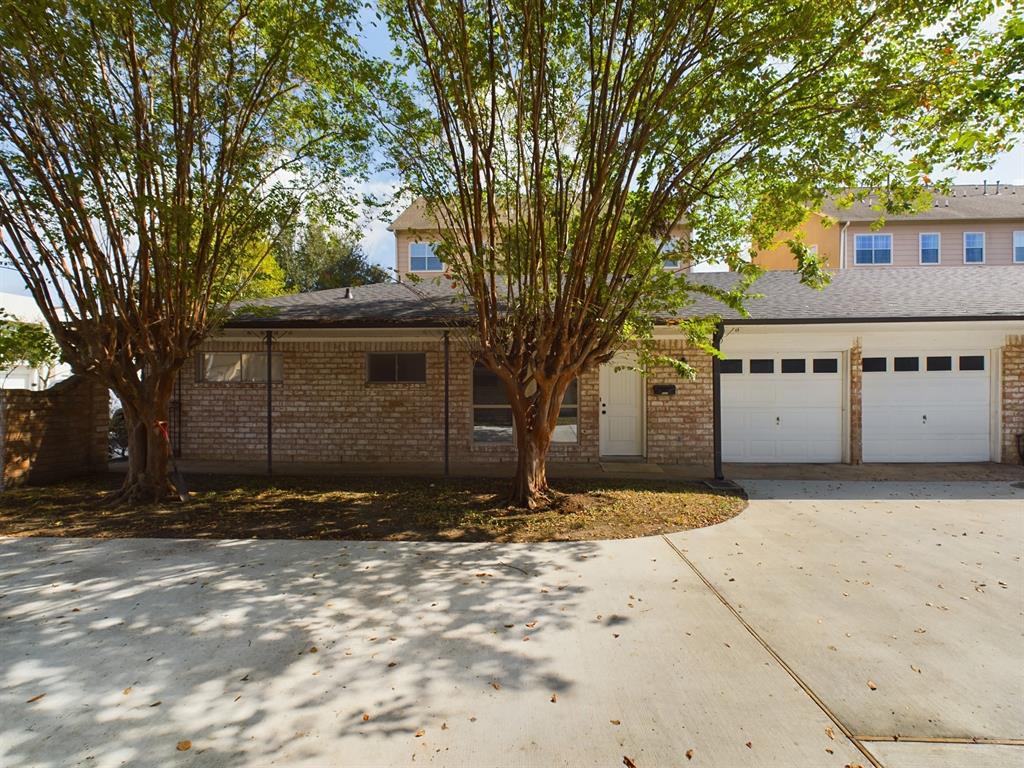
[873, 365]
[974, 247]
[492, 415]
[826, 365]
[972, 362]
[929, 247]
[906, 364]
[396, 367]
[762, 366]
[941, 363]
[248, 367]
[671, 252]
[1018, 247]
[670, 263]
[794, 365]
[731, 366]
[873, 249]
[423, 259]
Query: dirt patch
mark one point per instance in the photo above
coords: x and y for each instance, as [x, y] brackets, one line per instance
[385, 508]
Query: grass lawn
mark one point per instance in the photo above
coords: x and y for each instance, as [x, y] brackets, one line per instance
[389, 508]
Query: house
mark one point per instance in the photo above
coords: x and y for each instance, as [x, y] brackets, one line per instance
[973, 225]
[908, 365]
[16, 301]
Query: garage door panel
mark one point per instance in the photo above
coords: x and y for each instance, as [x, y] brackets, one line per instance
[926, 415]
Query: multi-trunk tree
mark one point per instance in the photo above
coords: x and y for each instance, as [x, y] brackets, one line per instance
[562, 143]
[146, 150]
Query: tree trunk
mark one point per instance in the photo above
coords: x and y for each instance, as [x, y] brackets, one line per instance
[530, 487]
[148, 478]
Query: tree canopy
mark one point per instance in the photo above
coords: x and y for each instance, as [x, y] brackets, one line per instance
[146, 150]
[567, 145]
[317, 257]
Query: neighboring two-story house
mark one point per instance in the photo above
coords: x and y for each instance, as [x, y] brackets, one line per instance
[973, 225]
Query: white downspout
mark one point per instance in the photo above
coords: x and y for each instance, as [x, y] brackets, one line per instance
[842, 245]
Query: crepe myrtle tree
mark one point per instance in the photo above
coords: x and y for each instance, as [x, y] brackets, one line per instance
[562, 143]
[146, 148]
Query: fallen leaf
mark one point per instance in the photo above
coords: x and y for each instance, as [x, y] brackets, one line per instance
[531, 625]
[420, 732]
[35, 698]
[509, 626]
[526, 638]
[830, 750]
[313, 649]
[126, 691]
[236, 698]
[627, 762]
[916, 669]
[444, 726]
[156, 704]
[872, 685]
[393, 664]
[830, 733]
[750, 745]
[184, 746]
[366, 716]
[920, 630]
[615, 722]
[689, 754]
[554, 698]
[496, 685]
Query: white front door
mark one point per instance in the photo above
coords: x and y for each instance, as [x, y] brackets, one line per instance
[622, 402]
[782, 408]
[920, 407]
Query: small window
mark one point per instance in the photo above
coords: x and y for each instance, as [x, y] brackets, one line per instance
[492, 414]
[972, 362]
[826, 365]
[247, 367]
[929, 247]
[396, 367]
[794, 365]
[941, 363]
[567, 429]
[873, 365]
[730, 366]
[873, 249]
[1018, 247]
[762, 366]
[670, 263]
[906, 364]
[423, 259]
[974, 247]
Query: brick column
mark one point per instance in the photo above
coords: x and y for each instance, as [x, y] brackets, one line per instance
[856, 376]
[1013, 397]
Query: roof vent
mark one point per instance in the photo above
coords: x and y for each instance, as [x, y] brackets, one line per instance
[347, 294]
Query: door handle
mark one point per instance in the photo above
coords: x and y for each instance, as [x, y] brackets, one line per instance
[778, 421]
[924, 418]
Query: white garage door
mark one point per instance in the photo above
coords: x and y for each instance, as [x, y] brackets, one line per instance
[786, 408]
[926, 407]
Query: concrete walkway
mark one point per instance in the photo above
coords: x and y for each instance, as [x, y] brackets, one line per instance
[576, 654]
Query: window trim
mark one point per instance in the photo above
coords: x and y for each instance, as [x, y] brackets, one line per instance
[871, 263]
[983, 247]
[396, 380]
[1018, 233]
[431, 244]
[920, 249]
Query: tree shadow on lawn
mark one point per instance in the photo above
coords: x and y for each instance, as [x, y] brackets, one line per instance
[136, 645]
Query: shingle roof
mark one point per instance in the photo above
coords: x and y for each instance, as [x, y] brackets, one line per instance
[866, 294]
[967, 202]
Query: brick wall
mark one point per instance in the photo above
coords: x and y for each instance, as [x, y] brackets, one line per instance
[1013, 397]
[325, 411]
[53, 434]
[856, 404]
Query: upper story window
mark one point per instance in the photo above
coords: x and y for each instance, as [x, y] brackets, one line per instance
[671, 258]
[1018, 247]
[974, 247]
[929, 247]
[423, 259]
[872, 249]
[240, 367]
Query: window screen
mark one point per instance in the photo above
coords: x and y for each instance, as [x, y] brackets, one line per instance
[250, 367]
[396, 367]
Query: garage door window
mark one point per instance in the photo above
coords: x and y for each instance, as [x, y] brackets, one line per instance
[873, 365]
[826, 365]
[762, 366]
[972, 362]
[794, 365]
[731, 366]
[906, 364]
[942, 363]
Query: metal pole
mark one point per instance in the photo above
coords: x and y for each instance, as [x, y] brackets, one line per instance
[270, 403]
[716, 396]
[447, 378]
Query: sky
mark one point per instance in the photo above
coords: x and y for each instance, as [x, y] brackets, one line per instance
[379, 244]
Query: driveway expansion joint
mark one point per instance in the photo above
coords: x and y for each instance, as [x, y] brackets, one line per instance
[854, 739]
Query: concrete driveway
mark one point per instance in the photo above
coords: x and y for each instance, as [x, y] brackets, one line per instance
[736, 642]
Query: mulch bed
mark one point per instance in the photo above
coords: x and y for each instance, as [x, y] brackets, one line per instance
[377, 508]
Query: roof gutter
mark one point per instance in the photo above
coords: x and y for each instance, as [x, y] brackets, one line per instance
[847, 320]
